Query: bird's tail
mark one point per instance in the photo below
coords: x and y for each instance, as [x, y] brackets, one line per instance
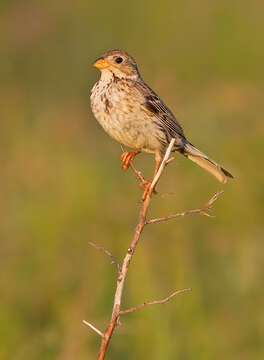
[206, 163]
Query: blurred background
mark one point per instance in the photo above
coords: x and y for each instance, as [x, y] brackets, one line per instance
[62, 186]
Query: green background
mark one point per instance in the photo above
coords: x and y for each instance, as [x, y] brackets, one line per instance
[62, 186]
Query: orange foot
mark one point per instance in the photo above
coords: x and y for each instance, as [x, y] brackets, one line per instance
[147, 185]
[126, 157]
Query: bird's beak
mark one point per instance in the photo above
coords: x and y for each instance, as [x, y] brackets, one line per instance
[101, 63]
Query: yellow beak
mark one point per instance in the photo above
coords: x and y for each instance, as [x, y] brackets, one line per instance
[101, 64]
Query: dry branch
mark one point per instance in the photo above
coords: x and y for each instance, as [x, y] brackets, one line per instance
[93, 328]
[155, 302]
[202, 210]
[123, 269]
[137, 173]
[113, 259]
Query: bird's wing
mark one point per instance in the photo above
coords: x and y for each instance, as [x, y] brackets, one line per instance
[154, 105]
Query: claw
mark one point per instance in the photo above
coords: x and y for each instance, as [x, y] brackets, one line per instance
[126, 157]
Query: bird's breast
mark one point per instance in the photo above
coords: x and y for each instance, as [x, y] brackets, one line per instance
[113, 106]
[119, 111]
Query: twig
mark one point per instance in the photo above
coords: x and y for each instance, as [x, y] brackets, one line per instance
[123, 269]
[138, 173]
[155, 302]
[113, 259]
[202, 210]
[94, 328]
[169, 161]
[162, 165]
[128, 257]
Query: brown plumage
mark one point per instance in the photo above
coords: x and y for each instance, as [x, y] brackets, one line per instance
[134, 115]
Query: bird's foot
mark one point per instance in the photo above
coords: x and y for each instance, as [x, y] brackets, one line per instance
[126, 157]
[147, 185]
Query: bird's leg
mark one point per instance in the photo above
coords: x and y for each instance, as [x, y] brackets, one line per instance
[126, 157]
[147, 183]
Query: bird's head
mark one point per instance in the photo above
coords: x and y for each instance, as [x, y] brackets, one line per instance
[117, 63]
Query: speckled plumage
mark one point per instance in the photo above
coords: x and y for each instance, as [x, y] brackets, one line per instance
[134, 115]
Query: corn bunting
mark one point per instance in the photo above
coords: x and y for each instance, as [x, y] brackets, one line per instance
[134, 115]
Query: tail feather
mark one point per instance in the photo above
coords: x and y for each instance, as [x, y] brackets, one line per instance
[206, 163]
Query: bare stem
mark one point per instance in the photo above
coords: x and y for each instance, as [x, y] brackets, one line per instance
[202, 210]
[113, 259]
[128, 257]
[155, 302]
[123, 269]
[137, 173]
[93, 328]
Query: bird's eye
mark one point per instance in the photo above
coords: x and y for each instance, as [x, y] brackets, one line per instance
[118, 60]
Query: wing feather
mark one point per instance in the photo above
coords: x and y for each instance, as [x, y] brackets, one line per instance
[154, 105]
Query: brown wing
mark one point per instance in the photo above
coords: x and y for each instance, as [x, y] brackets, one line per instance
[157, 107]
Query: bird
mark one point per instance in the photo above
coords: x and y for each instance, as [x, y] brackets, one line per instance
[135, 116]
